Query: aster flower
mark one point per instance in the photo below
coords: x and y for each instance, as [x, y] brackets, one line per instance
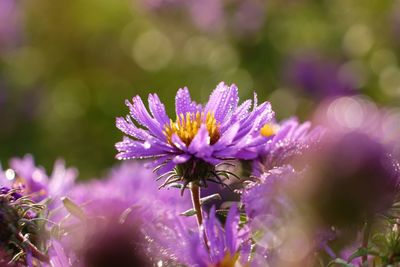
[200, 138]
[354, 178]
[359, 113]
[269, 208]
[227, 245]
[266, 195]
[189, 149]
[355, 157]
[277, 219]
[318, 77]
[127, 209]
[289, 139]
[32, 180]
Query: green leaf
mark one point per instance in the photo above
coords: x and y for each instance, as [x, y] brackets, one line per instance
[358, 253]
[175, 185]
[340, 262]
[188, 213]
[210, 198]
[73, 208]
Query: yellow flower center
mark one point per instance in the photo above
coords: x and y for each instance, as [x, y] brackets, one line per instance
[228, 261]
[187, 125]
[269, 130]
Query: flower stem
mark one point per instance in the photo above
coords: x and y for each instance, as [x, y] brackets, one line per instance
[367, 229]
[195, 192]
[35, 251]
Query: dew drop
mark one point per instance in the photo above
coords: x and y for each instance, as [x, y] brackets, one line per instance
[146, 145]
[10, 174]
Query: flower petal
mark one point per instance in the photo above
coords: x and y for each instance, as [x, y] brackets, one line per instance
[200, 145]
[178, 142]
[139, 112]
[132, 149]
[184, 103]
[158, 109]
[223, 101]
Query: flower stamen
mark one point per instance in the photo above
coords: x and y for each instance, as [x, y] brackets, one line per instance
[269, 130]
[187, 125]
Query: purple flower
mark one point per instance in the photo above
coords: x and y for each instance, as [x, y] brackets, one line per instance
[317, 77]
[226, 245]
[359, 113]
[200, 138]
[240, 17]
[276, 219]
[10, 15]
[267, 195]
[353, 177]
[130, 183]
[290, 139]
[127, 209]
[33, 180]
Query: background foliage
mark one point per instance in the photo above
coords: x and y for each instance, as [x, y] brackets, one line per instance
[66, 67]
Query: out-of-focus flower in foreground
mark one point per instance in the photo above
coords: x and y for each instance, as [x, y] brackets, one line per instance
[32, 180]
[121, 220]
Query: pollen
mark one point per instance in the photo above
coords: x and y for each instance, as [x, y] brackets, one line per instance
[187, 125]
[269, 130]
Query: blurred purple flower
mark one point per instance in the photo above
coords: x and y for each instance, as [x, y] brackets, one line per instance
[358, 113]
[9, 22]
[353, 178]
[290, 139]
[33, 180]
[130, 183]
[249, 17]
[317, 77]
[116, 208]
[240, 17]
[200, 138]
[267, 196]
[227, 246]
[394, 22]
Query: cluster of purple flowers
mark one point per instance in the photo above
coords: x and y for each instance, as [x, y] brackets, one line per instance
[243, 18]
[310, 195]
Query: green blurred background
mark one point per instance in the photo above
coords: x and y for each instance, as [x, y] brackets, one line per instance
[66, 67]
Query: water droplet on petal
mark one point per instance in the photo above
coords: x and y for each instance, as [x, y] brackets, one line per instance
[146, 145]
[10, 174]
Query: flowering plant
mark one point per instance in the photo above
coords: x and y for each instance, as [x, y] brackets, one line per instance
[314, 195]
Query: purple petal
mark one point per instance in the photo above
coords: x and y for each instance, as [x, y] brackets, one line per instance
[178, 142]
[139, 112]
[200, 145]
[158, 109]
[227, 138]
[223, 101]
[181, 158]
[184, 103]
[129, 128]
[131, 149]
[232, 221]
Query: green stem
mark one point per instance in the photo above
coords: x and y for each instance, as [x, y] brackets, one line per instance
[367, 229]
[195, 192]
[35, 251]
